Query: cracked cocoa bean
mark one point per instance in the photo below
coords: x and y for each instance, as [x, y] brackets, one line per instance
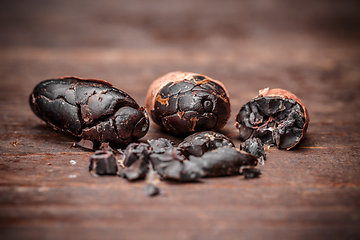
[90, 109]
[183, 103]
[275, 116]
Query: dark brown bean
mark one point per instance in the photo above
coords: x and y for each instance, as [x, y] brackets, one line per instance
[183, 103]
[89, 108]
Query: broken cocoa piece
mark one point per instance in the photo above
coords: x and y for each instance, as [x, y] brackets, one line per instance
[151, 190]
[251, 173]
[255, 147]
[133, 152]
[90, 109]
[183, 103]
[171, 165]
[135, 159]
[199, 143]
[160, 145]
[214, 155]
[218, 158]
[105, 146]
[85, 144]
[152, 179]
[103, 162]
[275, 116]
[137, 170]
[223, 161]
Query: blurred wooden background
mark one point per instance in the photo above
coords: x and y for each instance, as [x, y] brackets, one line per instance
[308, 47]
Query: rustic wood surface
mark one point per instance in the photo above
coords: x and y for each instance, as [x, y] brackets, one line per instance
[308, 47]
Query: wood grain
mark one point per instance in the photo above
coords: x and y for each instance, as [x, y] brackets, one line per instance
[312, 50]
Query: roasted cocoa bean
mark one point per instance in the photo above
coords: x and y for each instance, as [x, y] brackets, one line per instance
[90, 109]
[183, 103]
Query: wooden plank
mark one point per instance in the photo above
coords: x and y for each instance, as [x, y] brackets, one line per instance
[310, 192]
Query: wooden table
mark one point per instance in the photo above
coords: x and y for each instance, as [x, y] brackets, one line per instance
[311, 192]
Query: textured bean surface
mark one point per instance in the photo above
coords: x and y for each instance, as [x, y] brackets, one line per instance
[183, 103]
[198, 143]
[310, 48]
[224, 161]
[89, 108]
[276, 120]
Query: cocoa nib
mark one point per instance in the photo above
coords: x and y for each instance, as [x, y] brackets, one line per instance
[255, 147]
[251, 173]
[137, 170]
[203, 154]
[160, 145]
[207, 154]
[135, 151]
[85, 144]
[276, 116]
[103, 162]
[172, 165]
[151, 190]
[199, 143]
[215, 154]
[135, 159]
[223, 161]
[90, 109]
